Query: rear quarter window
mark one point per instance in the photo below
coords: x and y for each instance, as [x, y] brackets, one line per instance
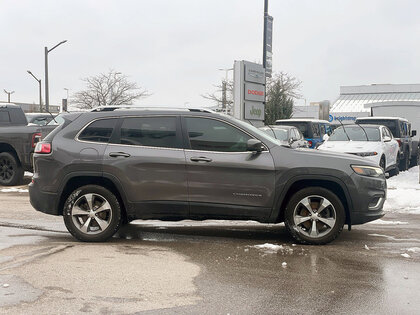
[4, 117]
[98, 131]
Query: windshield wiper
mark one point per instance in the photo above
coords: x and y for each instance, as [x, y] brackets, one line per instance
[344, 129]
[367, 138]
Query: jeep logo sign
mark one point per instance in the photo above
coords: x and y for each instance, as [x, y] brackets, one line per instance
[254, 111]
[254, 92]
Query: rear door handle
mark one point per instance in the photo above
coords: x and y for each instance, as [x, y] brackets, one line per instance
[200, 159]
[117, 154]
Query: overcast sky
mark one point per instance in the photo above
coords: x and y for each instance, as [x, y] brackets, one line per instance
[175, 48]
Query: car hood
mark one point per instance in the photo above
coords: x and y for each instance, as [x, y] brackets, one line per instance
[349, 146]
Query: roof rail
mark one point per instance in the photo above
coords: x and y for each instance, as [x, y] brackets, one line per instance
[125, 107]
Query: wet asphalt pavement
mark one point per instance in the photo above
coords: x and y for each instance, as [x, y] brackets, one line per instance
[209, 267]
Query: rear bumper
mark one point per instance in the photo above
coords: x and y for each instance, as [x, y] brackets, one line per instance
[45, 202]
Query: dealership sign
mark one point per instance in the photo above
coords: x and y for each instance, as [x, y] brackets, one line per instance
[249, 91]
[254, 111]
[345, 117]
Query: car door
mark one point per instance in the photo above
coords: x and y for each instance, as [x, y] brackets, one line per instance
[390, 147]
[148, 159]
[224, 179]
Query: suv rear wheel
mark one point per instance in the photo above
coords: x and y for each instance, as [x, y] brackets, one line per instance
[314, 215]
[92, 213]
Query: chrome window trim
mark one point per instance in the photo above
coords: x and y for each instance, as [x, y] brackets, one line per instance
[76, 138]
[144, 146]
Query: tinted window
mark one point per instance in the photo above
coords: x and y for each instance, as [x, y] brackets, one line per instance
[4, 117]
[315, 130]
[213, 135]
[99, 130]
[150, 132]
[323, 130]
[302, 126]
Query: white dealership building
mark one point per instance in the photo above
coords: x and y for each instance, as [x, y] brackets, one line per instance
[396, 100]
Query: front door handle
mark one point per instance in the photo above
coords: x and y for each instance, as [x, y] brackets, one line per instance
[117, 154]
[200, 159]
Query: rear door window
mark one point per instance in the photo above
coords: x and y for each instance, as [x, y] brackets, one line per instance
[98, 131]
[158, 132]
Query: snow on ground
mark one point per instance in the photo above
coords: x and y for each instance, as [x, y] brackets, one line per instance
[404, 192]
[383, 222]
[13, 189]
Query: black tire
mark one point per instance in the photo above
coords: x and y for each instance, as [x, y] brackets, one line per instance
[415, 160]
[405, 162]
[11, 172]
[382, 163]
[300, 231]
[75, 219]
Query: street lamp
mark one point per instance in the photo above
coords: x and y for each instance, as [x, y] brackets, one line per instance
[40, 93]
[224, 89]
[8, 95]
[47, 96]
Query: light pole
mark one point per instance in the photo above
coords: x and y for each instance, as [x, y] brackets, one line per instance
[8, 95]
[40, 91]
[47, 96]
[224, 89]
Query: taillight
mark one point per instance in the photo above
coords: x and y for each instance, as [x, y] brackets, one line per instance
[310, 143]
[36, 137]
[399, 142]
[43, 148]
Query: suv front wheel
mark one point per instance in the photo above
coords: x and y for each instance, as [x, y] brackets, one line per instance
[314, 215]
[92, 213]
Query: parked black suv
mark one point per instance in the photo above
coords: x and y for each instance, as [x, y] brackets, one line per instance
[103, 169]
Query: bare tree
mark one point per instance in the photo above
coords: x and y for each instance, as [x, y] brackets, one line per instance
[223, 96]
[282, 89]
[112, 88]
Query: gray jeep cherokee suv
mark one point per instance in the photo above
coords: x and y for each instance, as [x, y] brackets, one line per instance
[103, 169]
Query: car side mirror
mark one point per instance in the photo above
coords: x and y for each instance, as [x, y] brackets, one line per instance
[413, 133]
[387, 139]
[254, 145]
[325, 137]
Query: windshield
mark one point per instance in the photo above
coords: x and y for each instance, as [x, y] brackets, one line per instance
[281, 134]
[355, 133]
[391, 124]
[302, 126]
[58, 120]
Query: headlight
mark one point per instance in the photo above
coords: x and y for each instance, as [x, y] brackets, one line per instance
[370, 171]
[366, 153]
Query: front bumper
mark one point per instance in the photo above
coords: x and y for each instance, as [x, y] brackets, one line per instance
[369, 199]
[45, 202]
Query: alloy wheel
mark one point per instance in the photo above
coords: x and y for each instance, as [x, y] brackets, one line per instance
[6, 169]
[91, 213]
[314, 216]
